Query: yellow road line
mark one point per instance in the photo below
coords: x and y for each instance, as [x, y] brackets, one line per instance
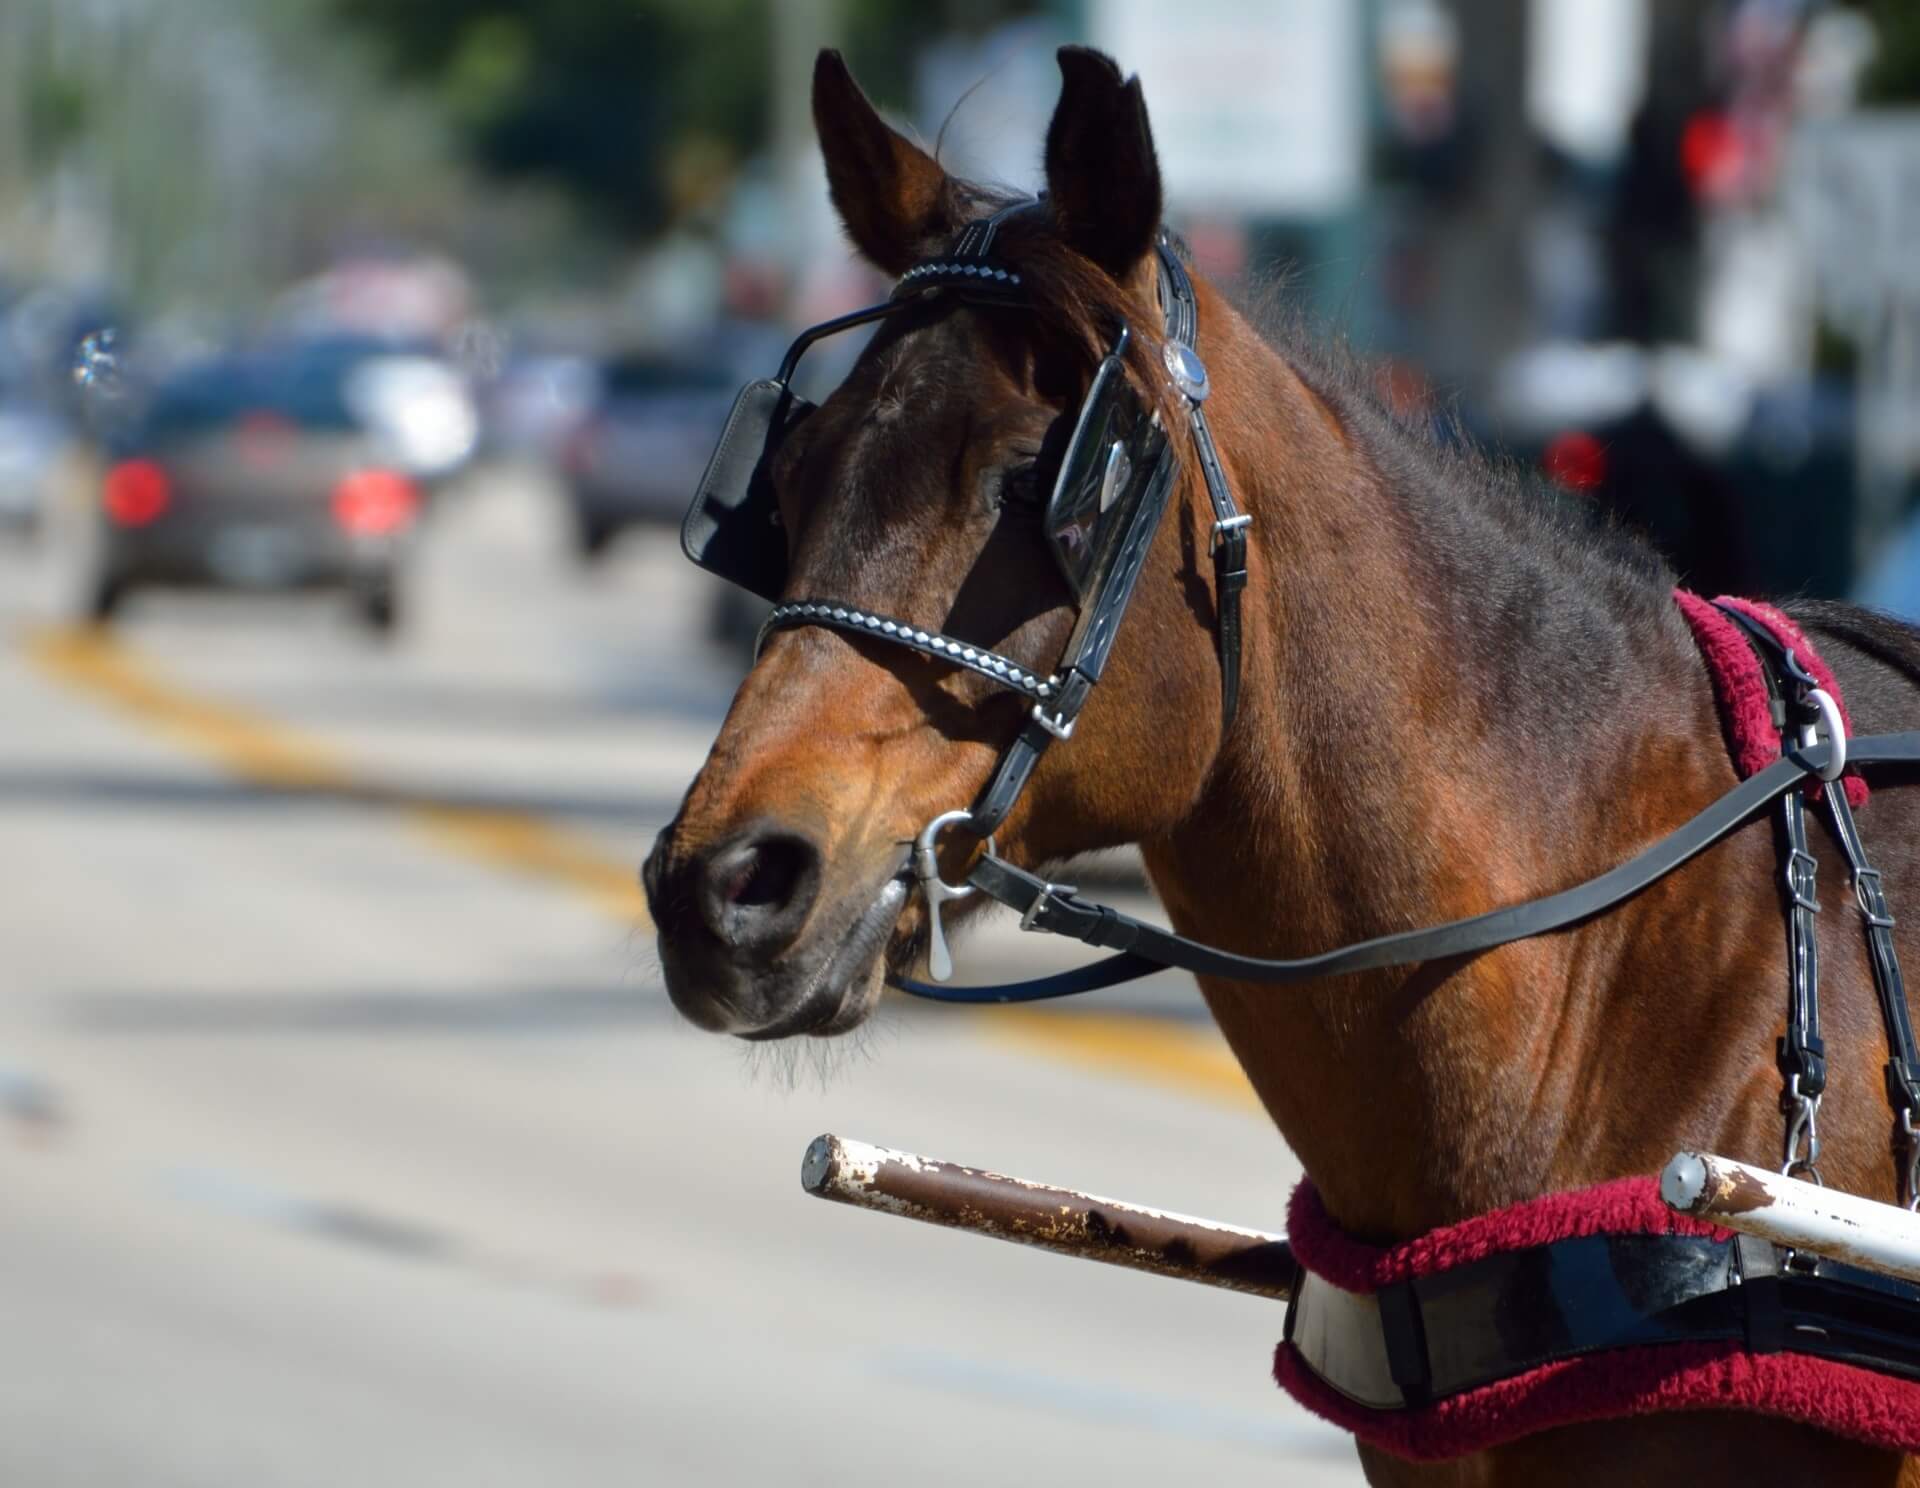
[265, 753]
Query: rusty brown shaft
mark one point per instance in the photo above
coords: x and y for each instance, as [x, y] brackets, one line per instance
[1056, 1219]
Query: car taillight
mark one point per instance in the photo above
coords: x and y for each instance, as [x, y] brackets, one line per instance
[373, 503]
[136, 492]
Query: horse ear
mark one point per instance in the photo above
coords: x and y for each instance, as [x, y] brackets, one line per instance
[890, 193]
[1102, 176]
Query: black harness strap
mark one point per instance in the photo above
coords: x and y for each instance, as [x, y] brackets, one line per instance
[1802, 1056]
[1147, 948]
[1903, 1062]
[1229, 541]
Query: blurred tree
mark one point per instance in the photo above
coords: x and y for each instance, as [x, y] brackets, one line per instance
[623, 103]
[639, 109]
[1894, 76]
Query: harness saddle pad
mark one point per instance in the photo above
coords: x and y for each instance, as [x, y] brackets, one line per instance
[1586, 1306]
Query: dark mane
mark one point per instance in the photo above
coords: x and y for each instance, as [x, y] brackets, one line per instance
[1535, 576]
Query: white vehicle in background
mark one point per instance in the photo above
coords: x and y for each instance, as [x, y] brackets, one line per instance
[35, 444]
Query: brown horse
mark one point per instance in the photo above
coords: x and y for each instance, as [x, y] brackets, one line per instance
[1457, 695]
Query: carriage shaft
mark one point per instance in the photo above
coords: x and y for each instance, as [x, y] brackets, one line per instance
[1791, 1212]
[1057, 1219]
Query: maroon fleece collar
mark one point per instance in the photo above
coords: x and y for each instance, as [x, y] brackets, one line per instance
[1740, 687]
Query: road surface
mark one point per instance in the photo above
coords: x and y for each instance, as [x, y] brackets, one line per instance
[347, 1136]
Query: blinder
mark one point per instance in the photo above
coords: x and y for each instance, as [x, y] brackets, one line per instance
[732, 527]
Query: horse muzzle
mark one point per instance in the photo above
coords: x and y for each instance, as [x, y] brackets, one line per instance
[751, 945]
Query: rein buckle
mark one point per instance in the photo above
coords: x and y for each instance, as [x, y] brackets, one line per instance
[1225, 529]
[1054, 723]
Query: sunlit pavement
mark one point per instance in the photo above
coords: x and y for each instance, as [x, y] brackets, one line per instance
[346, 1135]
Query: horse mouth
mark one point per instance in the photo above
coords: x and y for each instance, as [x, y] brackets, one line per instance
[843, 991]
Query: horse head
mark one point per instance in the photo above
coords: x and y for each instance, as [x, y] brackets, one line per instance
[915, 491]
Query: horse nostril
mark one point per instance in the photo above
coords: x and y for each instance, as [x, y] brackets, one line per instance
[759, 887]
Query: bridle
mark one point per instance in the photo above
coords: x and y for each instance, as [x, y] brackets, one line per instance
[1108, 500]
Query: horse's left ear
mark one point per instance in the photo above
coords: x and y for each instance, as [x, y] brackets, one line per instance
[892, 195]
[1102, 177]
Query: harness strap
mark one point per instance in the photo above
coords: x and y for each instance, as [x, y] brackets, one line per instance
[1802, 1057]
[1800, 1053]
[1229, 541]
[1059, 911]
[1903, 1063]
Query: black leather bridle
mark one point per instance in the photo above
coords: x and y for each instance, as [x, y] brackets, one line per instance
[1119, 458]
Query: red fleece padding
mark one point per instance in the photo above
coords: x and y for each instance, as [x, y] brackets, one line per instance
[1824, 1393]
[1835, 1397]
[1741, 689]
[1626, 1206]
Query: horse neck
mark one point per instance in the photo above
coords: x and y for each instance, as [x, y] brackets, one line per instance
[1412, 750]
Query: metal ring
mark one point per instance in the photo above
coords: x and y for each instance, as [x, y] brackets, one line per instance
[926, 867]
[1836, 731]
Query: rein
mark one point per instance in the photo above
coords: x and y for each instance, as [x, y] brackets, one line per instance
[1146, 948]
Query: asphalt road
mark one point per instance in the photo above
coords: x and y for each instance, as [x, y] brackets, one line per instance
[347, 1137]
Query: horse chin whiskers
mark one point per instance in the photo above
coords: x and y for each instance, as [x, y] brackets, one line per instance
[815, 1062]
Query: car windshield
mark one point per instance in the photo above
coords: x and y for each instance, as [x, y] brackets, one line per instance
[214, 398]
[643, 377]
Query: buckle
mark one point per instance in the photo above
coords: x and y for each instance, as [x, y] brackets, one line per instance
[1801, 870]
[1231, 529]
[1057, 725]
[1047, 891]
[1871, 899]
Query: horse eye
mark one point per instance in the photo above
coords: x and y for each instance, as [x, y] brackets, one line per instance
[1021, 487]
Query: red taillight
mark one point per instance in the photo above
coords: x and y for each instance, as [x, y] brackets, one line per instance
[1576, 459]
[136, 492]
[374, 503]
[1712, 154]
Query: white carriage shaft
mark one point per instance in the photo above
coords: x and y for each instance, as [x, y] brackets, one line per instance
[1791, 1212]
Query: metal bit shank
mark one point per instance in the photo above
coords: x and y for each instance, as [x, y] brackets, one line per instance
[1056, 1219]
[1790, 1212]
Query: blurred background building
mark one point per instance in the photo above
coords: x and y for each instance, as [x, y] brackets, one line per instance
[344, 1130]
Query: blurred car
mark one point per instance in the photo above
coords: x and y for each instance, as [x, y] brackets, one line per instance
[254, 473]
[406, 392]
[637, 456]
